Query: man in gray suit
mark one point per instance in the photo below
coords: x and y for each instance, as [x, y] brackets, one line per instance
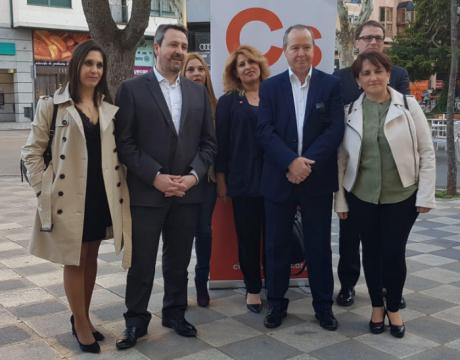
[165, 138]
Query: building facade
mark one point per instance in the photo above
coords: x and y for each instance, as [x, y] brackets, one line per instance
[36, 42]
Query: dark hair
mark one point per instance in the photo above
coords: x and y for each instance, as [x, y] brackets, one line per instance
[295, 27]
[161, 31]
[376, 58]
[369, 23]
[78, 57]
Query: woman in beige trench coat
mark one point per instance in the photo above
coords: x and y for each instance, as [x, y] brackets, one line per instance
[82, 195]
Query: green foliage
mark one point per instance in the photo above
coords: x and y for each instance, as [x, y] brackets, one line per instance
[424, 48]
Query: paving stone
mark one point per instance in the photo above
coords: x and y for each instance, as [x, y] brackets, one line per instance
[50, 324]
[307, 336]
[423, 248]
[410, 345]
[452, 315]
[211, 354]
[451, 253]
[110, 312]
[352, 325]
[432, 260]
[439, 353]
[7, 274]
[439, 275]
[445, 292]
[303, 357]
[454, 345]
[198, 315]
[39, 309]
[222, 332]
[47, 279]
[256, 321]
[36, 269]
[170, 346]
[6, 318]
[11, 334]
[9, 245]
[14, 284]
[113, 354]
[416, 237]
[23, 296]
[37, 349]
[230, 306]
[434, 329]
[350, 349]
[426, 304]
[417, 283]
[260, 347]
[446, 220]
[434, 233]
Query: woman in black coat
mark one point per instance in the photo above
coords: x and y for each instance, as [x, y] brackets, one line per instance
[239, 160]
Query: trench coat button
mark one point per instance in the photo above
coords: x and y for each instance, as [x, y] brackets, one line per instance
[59, 211]
[64, 122]
[62, 156]
[118, 184]
[117, 167]
[121, 201]
[64, 139]
[115, 150]
[61, 193]
[62, 176]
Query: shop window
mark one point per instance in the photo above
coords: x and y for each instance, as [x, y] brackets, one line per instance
[162, 8]
[51, 3]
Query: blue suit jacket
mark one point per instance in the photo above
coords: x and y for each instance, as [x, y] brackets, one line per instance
[322, 134]
[399, 80]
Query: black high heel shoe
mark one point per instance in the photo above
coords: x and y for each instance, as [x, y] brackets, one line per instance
[377, 327]
[89, 348]
[255, 308]
[397, 331]
[97, 335]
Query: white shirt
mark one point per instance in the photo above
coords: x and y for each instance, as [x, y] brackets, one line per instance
[173, 96]
[300, 94]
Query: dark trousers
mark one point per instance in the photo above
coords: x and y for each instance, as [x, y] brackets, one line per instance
[384, 229]
[248, 213]
[316, 221]
[349, 261]
[203, 234]
[177, 224]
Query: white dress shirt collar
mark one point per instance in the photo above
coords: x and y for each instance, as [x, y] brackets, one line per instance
[161, 78]
[293, 77]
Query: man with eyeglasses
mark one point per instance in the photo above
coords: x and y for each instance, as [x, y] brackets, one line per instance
[369, 36]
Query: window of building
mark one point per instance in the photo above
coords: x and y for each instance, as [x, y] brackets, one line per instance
[386, 19]
[51, 3]
[162, 8]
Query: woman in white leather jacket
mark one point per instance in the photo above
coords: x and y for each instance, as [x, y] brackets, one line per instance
[386, 178]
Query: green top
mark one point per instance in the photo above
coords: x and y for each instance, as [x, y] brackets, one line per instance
[378, 180]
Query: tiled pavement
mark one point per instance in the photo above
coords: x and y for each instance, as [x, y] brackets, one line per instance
[34, 320]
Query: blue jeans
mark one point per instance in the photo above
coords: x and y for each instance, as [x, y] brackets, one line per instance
[203, 235]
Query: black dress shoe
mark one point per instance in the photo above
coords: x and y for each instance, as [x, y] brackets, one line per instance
[202, 295]
[327, 320]
[274, 317]
[397, 331]
[402, 304]
[129, 337]
[345, 297]
[181, 327]
[97, 335]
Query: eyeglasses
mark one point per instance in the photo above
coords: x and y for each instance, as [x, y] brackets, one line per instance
[368, 38]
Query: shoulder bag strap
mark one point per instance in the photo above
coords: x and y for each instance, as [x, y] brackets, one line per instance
[47, 156]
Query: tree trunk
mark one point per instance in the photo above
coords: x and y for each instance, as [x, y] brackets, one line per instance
[119, 45]
[346, 35]
[451, 156]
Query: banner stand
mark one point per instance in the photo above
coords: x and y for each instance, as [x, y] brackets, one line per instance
[236, 284]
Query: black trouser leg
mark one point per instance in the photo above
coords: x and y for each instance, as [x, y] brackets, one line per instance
[146, 226]
[349, 261]
[178, 233]
[248, 215]
[316, 221]
[396, 223]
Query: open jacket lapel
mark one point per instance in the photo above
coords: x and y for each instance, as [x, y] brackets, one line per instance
[106, 114]
[184, 86]
[154, 88]
[312, 95]
[289, 96]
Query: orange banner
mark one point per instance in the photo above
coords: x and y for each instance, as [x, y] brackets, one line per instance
[56, 46]
[225, 268]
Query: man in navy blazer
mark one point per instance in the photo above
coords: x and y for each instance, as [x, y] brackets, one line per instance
[369, 36]
[300, 126]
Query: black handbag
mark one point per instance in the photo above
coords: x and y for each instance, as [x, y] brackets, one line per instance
[47, 156]
[297, 244]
